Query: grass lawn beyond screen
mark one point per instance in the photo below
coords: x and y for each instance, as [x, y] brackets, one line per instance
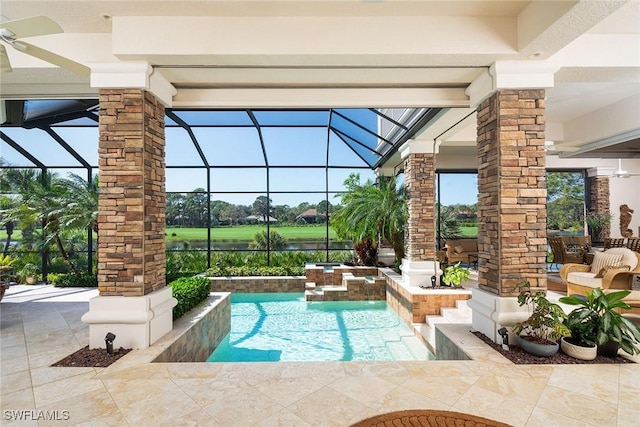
[246, 232]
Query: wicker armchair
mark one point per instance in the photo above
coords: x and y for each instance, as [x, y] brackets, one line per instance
[633, 243]
[613, 242]
[580, 278]
[562, 254]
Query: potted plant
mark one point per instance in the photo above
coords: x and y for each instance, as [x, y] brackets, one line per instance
[597, 222]
[539, 334]
[6, 269]
[582, 343]
[454, 275]
[613, 331]
[29, 273]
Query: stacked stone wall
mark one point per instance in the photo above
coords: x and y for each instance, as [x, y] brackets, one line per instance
[599, 198]
[512, 244]
[131, 206]
[419, 173]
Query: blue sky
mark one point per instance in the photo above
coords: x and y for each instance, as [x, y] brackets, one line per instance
[235, 147]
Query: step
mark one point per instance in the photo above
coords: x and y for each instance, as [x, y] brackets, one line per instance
[310, 286]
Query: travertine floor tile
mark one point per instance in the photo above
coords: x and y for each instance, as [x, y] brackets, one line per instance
[579, 406]
[96, 408]
[52, 392]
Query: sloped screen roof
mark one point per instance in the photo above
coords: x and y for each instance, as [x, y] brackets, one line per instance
[63, 133]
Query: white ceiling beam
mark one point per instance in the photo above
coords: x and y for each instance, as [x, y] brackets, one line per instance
[320, 98]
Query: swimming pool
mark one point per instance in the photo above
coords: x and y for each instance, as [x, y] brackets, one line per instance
[268, 327]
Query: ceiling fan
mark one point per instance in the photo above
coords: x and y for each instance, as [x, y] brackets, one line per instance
[621, 173]
[11, 32]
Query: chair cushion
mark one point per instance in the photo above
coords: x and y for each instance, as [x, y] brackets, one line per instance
[604, 270]
[604, 259]
[628, 256]
[584, 278]
[458, 249]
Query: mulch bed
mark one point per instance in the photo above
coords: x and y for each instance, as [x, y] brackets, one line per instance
[95, 358]
[521, 357]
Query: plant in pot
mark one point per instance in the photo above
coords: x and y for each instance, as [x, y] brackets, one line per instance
[29, 273]
[454, 275]
[582, 343]
[613, 331]
[597, 223]
[6, 268]
[539, 334]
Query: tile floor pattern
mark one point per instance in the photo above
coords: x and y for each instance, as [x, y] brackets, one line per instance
[40, 325]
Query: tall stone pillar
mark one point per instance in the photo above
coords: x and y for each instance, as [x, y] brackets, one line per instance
[599, 200]
[134, 302]
[512, 244]
[420, 262]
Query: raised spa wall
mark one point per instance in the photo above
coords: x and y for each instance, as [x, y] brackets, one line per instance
[411, 304]
[198, 332]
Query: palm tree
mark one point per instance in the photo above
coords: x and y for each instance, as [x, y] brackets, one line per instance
[60, 206]
[375, 211]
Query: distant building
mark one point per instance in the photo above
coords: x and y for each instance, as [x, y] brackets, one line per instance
[255, 219]
[311, 216]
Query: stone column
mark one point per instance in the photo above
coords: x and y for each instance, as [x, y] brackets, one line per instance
[599, 202]
[420, 262]
[512, 244]
[134, 303]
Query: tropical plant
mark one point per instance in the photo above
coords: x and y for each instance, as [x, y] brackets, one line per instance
[448, 226]
[27, 272]
[377, 211]
[610, 324]
[6, 260]
[60, 206]
[454, 275]
[275, 241]
[367, 251]
[597, 222]
[545, 322]
[583, 327]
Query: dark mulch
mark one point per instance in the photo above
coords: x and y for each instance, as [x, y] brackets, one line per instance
[96, 358]
[521, 357]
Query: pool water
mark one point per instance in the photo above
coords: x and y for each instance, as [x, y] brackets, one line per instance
[268, 327]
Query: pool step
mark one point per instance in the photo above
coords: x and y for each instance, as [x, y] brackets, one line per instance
[461, 314]
[327, 293]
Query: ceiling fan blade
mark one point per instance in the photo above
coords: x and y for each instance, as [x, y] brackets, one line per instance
[53, 58]
[34, 26]
[5, 65]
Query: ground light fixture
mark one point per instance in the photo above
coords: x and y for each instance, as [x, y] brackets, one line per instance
[108, 340]
[505, 338]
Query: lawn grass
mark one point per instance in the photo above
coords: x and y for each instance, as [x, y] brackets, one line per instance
[246, 232]
[469, 231]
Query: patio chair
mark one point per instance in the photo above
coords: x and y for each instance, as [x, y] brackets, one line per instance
[613, 242]
[562, 254]
[633, 243]
[612, 269]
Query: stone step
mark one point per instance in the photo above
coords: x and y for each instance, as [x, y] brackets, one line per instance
[310, 285]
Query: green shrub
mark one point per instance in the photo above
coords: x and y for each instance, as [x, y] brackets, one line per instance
[189, 291]
[72, 280]
[247, 270]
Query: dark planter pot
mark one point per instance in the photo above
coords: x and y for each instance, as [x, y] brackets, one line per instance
[537, 349]
[610, 349]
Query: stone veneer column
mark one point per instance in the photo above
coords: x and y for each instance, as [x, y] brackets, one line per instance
[420, 183]
[134, 303]
[512, 244]
[599, 201]
[419, 175]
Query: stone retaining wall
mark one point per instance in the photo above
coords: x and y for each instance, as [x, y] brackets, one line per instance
[197, 334]
[256, 284]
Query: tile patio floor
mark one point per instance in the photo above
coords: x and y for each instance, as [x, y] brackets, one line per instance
[41, 324]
